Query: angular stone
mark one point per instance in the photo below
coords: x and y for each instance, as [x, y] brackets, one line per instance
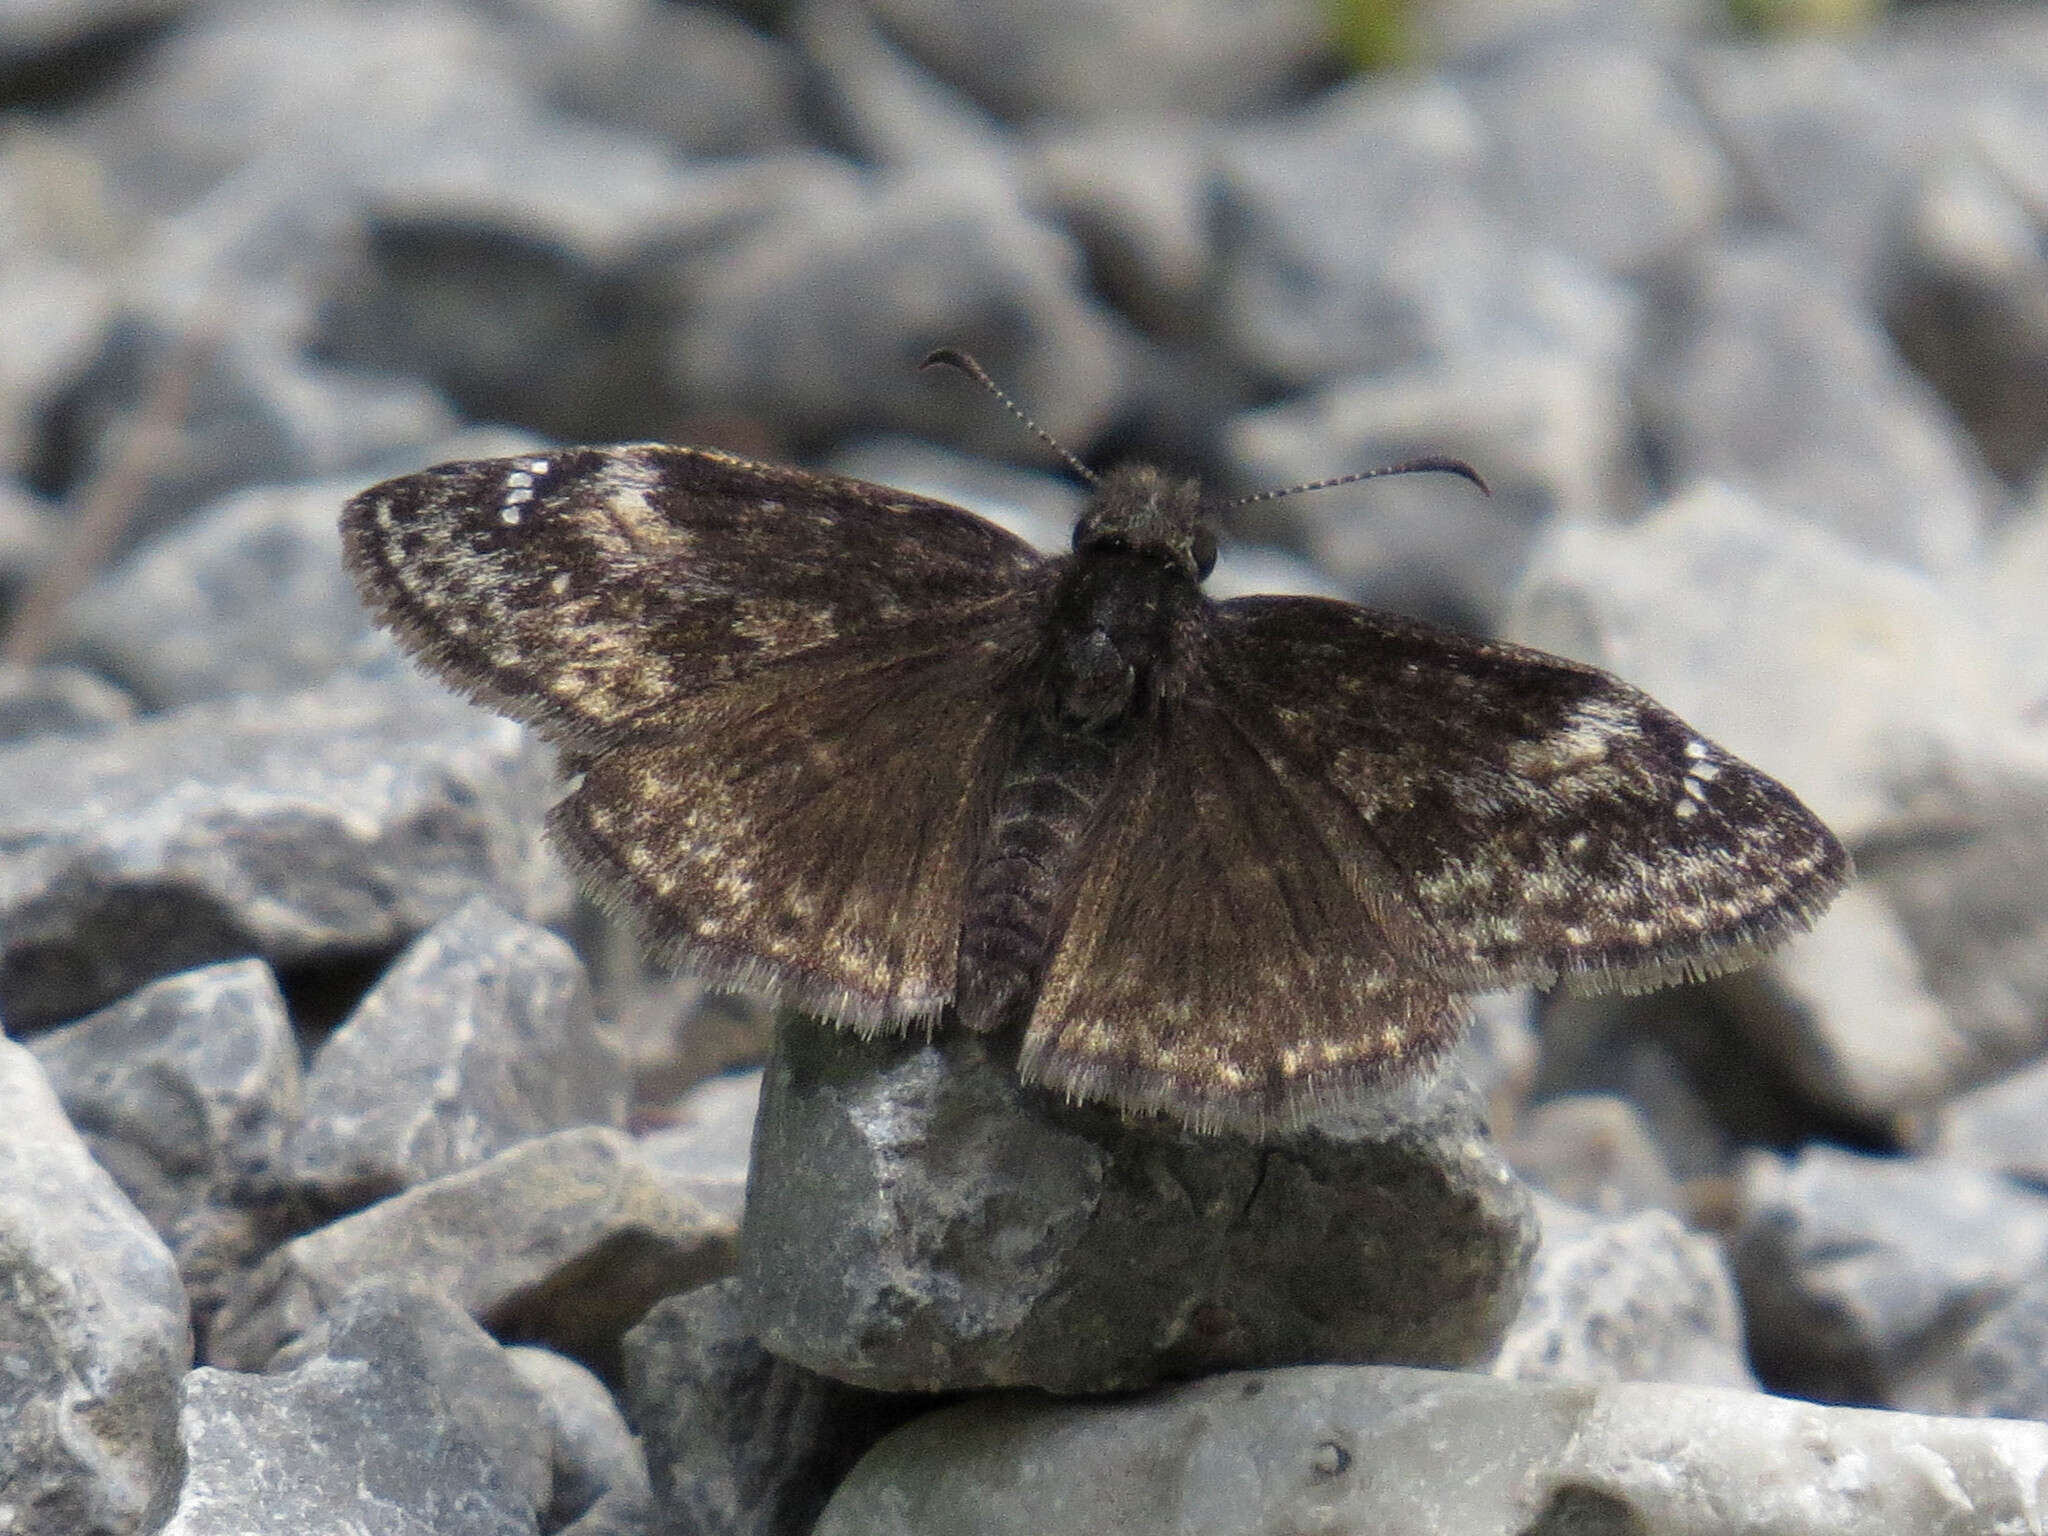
[93, 1332]
[392, 1324]
[1849, 1014]
[1637, 1298]
[706, 1146]
[66, 700]
[1550, 429]
[186, 1092]
[1869, 663]
[1072, 58]
[1358, 238]
[2002, 1125]
[1422, 1453]
[1604, 153]
[364, 1446]
[1766, 338]
[1859, 1274]
[1594, 1151]
[343, 818]
[596, 1460]
[1998, 1365]
[565, 1239]
[917, 1221]
[479, 1036]
[739, 1442]
[809, 321]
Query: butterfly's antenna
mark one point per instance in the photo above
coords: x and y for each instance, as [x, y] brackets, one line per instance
[949, 357]
[1433, 464]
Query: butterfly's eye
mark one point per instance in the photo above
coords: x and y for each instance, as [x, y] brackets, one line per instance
[1205, 552]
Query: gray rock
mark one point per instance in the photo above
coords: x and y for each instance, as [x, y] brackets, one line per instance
[1638, 1298]
[1963, 871]
[1069, 57]
[1358, 239]
[39, 32]
[392, 1325]
[565, 1239]
[1594, 1151]
[2017, 577]
[58, 700]
[186, 1092]
[1498, 1052]
[1603, 152]
[1849, 1013]
[1776, 381]
[1859, 1273]
[692, 75]
[1419, 1453]
[709, 1136]
[1135, 192]
[740, 1443]
[1998, 1367]
[883, 105]
[595, 1459]
[815, 321]
[93, 1331]
[618, 1513]
[916, 1221]
[1825, 666]
[1971, 307]
[344, 818]
[480, 1036]
[253, 408]
[247, 596]
[2002, 1125]
[1827, 140]
[1548, 431]
[364, 1446]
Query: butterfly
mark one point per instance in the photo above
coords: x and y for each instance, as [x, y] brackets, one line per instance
[1231, 861]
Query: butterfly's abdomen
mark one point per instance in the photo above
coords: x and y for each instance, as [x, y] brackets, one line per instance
[1044, 806]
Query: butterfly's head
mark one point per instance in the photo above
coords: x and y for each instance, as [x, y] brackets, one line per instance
[1137, 510]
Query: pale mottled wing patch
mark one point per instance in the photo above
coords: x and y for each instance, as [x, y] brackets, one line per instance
[583, 589]
[1544, 819]
[1219, 961]
[809, 831]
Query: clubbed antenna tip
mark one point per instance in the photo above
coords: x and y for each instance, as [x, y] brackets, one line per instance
[952, 357]
[1429, 464]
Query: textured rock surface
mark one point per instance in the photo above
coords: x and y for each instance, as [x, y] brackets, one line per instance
[1860, 1274]
[918, 1222]
[1638, 1298]
[594, 1458]
[186, 1092]
[479, 1037]
[567, 1238]
[1420, 1453]
[394, 1326]
[93, 1332]
[738, 1441]
[342, 818]
[359, 1445]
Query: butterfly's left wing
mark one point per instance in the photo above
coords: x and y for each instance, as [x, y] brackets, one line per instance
[1544, 820]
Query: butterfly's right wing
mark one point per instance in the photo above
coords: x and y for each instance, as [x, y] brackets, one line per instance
[586, 589]
[781, 692]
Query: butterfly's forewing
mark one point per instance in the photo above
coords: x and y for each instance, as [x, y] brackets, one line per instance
[582, 589]
[1544, 819]
[782, 691]
[1220, 961]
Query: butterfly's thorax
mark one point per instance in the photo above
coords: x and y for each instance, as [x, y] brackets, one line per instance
[1118, 641]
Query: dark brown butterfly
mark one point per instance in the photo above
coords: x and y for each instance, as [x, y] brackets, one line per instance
[1234, 861]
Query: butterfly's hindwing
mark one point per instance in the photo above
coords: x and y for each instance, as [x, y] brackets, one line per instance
[809, 831]
[1218, 960]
